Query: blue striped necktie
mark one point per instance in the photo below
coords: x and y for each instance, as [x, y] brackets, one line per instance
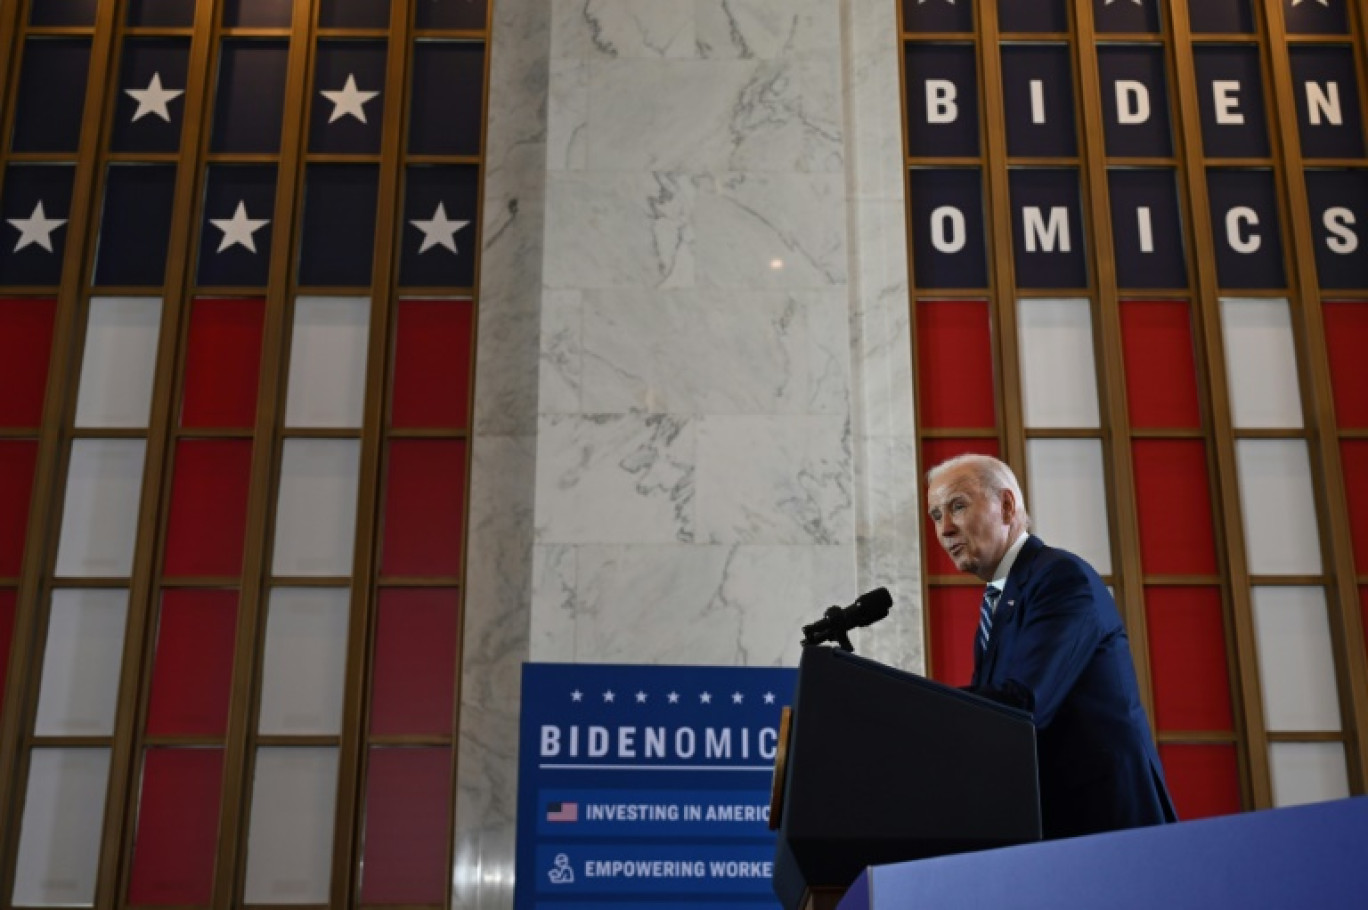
[990, 596]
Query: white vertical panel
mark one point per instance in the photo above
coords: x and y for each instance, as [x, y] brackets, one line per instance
[290, 834]
[327, 386]
[100, 516]
[1296, 661]
[1261, 363]
[1307, 773]
[59, 843]
[316, 507]
[304, 667]
[1068, 497]
[81, 661]
[1278, 506]
[1058, 372]
[119, 362]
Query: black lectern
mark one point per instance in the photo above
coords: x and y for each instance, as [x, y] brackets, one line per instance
[883, 766]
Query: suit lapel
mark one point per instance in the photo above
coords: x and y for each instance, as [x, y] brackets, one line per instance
[1009, 604]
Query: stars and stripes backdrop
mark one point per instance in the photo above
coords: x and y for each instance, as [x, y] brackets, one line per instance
[238, 244]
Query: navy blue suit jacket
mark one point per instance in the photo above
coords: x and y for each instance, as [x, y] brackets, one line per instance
[1059, 650]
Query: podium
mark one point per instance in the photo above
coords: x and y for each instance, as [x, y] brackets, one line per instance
[883, 766]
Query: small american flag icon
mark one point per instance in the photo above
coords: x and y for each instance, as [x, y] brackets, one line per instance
[562, 812]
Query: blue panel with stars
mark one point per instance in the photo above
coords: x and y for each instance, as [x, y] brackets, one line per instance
[938, 16]
[249, 101]
[337, 243]
[135, 224]
[1221, 17]
[353, 14]
[52, 87]
[349, 97]
[1140, 16]
[440, 226]
[62, 12]
[452, 14]
[165, 13]
[34, 208]
[1316, 17]
[150, 110]
[647, 783]
[235, 237]
[447, 98]
[1036, 16]
[257, 13]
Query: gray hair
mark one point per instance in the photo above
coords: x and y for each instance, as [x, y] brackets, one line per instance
[993, 476]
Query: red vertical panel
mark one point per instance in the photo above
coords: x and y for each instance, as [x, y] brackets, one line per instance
[1346, 339]
[208, 522]
[1354, 460]
[193, 668]
[934, 451]
[1161, 377]
[1204, 780]
[408, 799]
[434, 350]
[1188, 659]
[173, 856]
[223, 357]
[25, 350]
[954, 619]
[1363, 610]
[954, 364]
[7, 604]
[18, 458]
[424, 507]
[1177, 536]
[414, 681]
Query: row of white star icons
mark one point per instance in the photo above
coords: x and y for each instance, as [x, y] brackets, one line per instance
[348, 101]
[439, 230]
[704, 698]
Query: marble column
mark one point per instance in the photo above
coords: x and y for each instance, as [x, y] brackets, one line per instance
[694, 411]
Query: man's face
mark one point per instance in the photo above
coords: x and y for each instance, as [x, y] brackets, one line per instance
[973, 526]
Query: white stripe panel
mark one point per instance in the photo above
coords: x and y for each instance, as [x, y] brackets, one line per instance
[100, 515]
[303, 670]
[1296, 660]
[327, 385]
[1068, 497]
[119, 362]
[290, 835]
[59, 843]
[1278, 506]
[1307, 773]
[1058, 367]
[81, 661]
[316, 507]
[1261, 363]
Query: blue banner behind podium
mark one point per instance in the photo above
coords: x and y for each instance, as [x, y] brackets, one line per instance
[647, 787]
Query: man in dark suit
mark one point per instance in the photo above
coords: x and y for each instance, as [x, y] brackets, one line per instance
[1050, 641]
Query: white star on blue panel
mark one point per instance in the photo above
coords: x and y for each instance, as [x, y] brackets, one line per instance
[349, 101]
[153, 99]
[36, 228]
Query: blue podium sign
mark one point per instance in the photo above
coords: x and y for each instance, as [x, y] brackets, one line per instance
[647, 786]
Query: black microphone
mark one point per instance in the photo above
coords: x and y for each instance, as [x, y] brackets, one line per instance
[836, 622]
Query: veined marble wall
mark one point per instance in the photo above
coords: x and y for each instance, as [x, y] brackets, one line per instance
[694, 404]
